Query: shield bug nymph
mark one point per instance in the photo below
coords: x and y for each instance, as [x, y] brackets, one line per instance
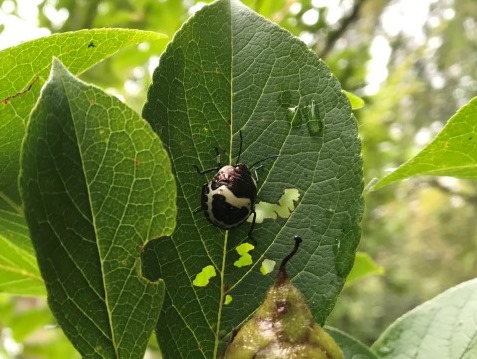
[228, 199]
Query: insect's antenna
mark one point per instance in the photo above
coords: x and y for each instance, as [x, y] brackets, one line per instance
[263, 159]
[240, 148]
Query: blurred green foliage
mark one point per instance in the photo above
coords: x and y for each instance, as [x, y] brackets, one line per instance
[422, 231]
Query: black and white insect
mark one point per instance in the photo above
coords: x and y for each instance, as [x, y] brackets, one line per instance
[228, 199]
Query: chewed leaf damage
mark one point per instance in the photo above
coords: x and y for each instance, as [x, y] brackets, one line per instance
[245, 258]
[285, 206]
[267, 266]
[203, 278]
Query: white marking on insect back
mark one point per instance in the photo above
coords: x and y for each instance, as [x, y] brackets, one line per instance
[230, 198]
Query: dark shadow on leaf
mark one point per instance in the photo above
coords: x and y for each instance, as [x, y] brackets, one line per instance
[150, 259]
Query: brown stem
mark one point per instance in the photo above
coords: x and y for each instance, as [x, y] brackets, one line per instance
[282, 272]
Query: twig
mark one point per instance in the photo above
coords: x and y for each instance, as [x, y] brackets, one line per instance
[345, 23]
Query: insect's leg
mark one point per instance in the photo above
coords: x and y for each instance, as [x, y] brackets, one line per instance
[250, 231]
[205, 171]
[256, 174]
[240, 148]
[216, 168]
[203, 205]
[218, 158]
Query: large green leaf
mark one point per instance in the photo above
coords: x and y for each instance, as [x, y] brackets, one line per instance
[19, 272]
[97, 186]
[452, 153]
[24, 68]
[442, 328]
[229, 70]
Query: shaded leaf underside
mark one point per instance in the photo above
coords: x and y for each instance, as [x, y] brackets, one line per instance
[96, 186]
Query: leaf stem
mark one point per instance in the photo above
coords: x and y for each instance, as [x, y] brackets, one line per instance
[222, 296]
[282, 271]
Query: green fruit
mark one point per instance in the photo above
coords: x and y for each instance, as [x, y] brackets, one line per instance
[283, 327]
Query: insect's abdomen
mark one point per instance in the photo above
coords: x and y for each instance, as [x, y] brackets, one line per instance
[229, 198]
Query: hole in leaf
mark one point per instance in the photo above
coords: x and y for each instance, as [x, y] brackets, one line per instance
[283, 209]
[245, 258]
[267, 266]
[203, 278]
[150, 259]
[228, 299]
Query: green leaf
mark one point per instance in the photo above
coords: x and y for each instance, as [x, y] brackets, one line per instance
[229, 70]
[97, 186]
[25, 323]
[24, 68]
[441, 328]
[363, 266]
[352, 348]
[19, 273]
[355, 101]
[453, 152]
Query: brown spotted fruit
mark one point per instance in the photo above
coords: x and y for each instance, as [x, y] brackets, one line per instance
[283, 326]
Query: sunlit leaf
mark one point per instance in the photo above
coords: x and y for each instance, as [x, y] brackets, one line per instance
[229, 70]
[25, 323]
[97, 186]
[19, 272]
[363, 266]
[355, 101]
[452, 153]
[24, 68]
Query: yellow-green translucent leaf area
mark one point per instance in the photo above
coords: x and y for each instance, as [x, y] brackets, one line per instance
[286, 205]
[24, 68]
[364, 266]
[228, 71]
[19, 273]
[267, 266]
[245, 257]
[97, 186]
[443, 327]
[203, 278]
[355, 101]
[228, 299]
[453, 152]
